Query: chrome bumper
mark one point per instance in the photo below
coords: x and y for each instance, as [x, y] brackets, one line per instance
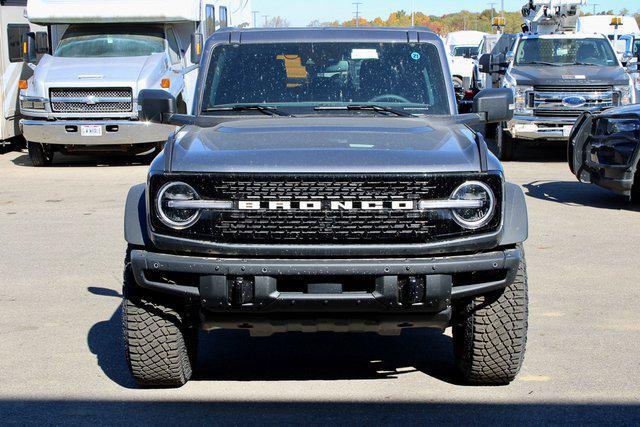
[114, 132]
[532, 127]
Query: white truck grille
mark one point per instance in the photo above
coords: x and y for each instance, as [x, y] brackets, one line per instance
[93, 100]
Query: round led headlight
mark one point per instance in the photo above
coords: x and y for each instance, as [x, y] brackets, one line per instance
[478, 216]
[170, 205]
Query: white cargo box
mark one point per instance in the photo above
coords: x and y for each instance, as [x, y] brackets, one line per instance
[116, 11]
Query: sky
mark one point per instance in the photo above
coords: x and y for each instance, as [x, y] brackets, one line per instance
[302, 12]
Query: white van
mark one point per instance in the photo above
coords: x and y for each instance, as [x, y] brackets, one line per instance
[83, 95]
[611, 26]
[13, 25]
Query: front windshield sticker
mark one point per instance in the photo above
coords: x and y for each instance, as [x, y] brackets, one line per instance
[415, 56]
[364, 54]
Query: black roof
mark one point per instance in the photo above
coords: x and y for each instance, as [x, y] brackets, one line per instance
[327, 34]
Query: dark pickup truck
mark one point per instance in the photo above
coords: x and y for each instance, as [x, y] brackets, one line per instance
[604, 149]
[326, 183]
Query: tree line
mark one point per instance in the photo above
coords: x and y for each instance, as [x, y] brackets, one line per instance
[463, 20]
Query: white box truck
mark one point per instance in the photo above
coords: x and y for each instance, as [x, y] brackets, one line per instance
[13, 25]
[83, 95]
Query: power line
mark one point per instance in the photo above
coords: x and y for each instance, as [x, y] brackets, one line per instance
[357, 5]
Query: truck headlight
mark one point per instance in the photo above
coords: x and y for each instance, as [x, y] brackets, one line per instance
[32, 104]
[618, 126]
[624, 94]
[485, 205]
[170, 205]
[522, 94]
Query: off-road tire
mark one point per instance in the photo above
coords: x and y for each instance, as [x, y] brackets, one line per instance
[160, 340]
[40, 154]
[504, 144]
[490, 334]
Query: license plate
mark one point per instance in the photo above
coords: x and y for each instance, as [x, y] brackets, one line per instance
[91, 130]
[566, 131]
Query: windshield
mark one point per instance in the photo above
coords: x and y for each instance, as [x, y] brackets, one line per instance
[466, 51]
[557, 51]
[308, 75]
[89, 41]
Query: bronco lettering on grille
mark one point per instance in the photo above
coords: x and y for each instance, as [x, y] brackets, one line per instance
[313, 205]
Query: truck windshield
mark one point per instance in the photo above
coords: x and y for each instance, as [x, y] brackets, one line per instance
[466, 51]
[561, 51]
[316, 77]
[90, 41]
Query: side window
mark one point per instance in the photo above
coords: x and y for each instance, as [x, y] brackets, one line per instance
[174, 50]
[210, 20]
[14, 40]
[224, 20]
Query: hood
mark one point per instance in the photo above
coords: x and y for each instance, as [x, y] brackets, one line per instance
[628, 110]
[328, 145]
[569, 75]
[136, 72]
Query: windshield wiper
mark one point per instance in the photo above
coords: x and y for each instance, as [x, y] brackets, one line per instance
[370, 107]
[586, 64]
[264, 109]
[540, 63]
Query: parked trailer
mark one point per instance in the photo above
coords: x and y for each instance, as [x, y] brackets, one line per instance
[13, 25]
[83, 95]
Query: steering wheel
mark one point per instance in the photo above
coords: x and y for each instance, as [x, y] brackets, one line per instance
[390, 97]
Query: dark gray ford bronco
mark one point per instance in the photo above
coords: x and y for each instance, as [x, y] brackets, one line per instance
[326, 183]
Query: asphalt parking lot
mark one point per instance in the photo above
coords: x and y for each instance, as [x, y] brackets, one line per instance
[61, 357]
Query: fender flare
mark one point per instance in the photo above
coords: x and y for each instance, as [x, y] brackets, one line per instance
[516, 220]
[135, 217]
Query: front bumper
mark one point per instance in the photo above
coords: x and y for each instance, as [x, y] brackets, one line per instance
[114, 132]
[534, 127]
[272, 295]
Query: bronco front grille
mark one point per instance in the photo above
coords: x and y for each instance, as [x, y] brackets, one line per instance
[91, 100]
[297, 226]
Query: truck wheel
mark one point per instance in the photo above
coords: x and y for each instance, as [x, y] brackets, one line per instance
[490, 334]
[160, 341]
[504, 143]
[40, 154]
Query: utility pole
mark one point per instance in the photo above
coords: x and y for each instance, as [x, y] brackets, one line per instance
[413, 13]
[255, 18]
[266, 20]
[492, 6]
[357, 5]
[502, 8]
[594, 7]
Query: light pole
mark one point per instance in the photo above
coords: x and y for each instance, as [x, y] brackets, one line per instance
[255, 18]
[357, 5]
[266, 20]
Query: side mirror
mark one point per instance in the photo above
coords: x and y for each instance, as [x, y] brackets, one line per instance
[29, 48]
[496, 105]
[484, 64]
[632, 65]
[42, 42]
[197, 45]
[156, 106]
[511, 55]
